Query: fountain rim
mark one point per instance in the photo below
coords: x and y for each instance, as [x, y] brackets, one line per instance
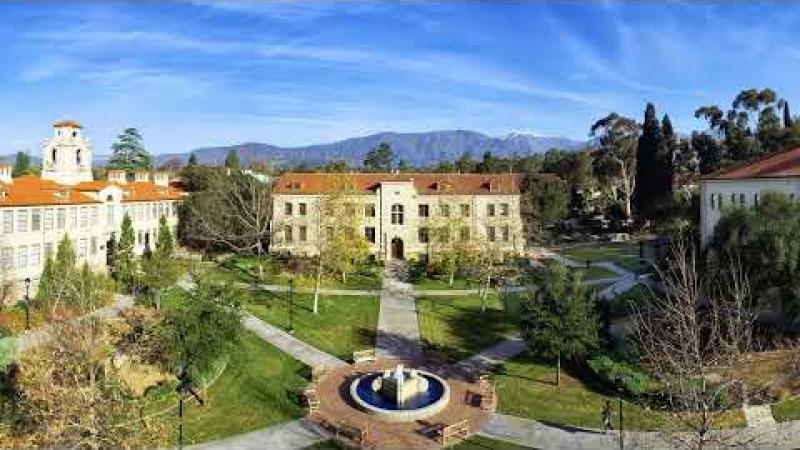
[403, 415]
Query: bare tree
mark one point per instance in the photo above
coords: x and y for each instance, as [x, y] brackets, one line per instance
[691, 339]
[233, 213]
[452, 246]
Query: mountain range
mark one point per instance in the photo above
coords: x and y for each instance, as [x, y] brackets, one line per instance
[416, 149]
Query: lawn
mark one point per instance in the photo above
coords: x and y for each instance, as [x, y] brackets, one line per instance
[786, 410]
[595, 273]
[625, 255]
[259, 387]
[456, 327]
[443, 282]
[344, 323]
[526, 388]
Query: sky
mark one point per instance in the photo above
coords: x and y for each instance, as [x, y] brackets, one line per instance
[195, 74]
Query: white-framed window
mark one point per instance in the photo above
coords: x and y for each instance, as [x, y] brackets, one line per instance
[36, 255]
[465, 212]
[73, 218]
[287, 209]
[22, 256]
[93, 246]
[61, 218]
[506, 233]
[153, 211]
[95, 215]
[36, 219]
[8, 221]
[444, 210]
[287, 233]
[22, 220]
[48, 219]
[84, 217]
[7, 258]
[48, 250]
[491, 234]
[504, 209]
[82, 245]
[490, 210]
[397, 214]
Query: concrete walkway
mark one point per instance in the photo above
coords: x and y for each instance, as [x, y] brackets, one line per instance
[293, 435]
[759, 416]
[398, 329]
[38, 336]
[299, 350]
[494, 355]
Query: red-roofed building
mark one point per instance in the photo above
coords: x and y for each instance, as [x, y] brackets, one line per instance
[397, 212]
[36, 212]
[743, 185]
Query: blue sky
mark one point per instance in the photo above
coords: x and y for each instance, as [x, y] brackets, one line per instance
[209, 73]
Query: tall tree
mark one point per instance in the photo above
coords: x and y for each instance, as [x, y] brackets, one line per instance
[557, 316]
[232, 159]
[787, 116]
[668, 150]
[379, 159]
[22, 165]
[159, 271]
[489, 164]
[616, 156]
[192, 159]
[545, 200]
[128, 152]
[124, 270]
[708, 151]
[648, 191]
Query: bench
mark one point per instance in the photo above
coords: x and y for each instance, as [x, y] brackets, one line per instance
[317, 373]
[361, 356]
[454, 433]
[353, 433]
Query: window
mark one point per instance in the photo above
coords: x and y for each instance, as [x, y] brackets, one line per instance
[422, 211]
[73, 218]
[48, 219]
[444, 210]
[48, 249]
[110, 215]
[139, 237]
[287, 233]
[8, 221]
[490, 210]
[302, 209]
[22, 220]
[504, 209]
[36, 255]
[22, 256]
[741, 199]
[712, 201]
[733, 199]
[61, 218]
[84, 218]
[93, 246]
[369, 210]
[490, 234]
[465, 210]
[287, 209]
[755, 199]
[82, 246]
[719, 201]
[303, 234]
[505, 232]
[329, 233]
[397, 214]
[153, 211]
[369, 234]
[350, 209]
[36, 219]
[8, 258]
[463, 234]
[423, 235]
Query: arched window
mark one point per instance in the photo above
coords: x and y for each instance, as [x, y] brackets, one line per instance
[53, 155]
[78, 157]
[397, 214]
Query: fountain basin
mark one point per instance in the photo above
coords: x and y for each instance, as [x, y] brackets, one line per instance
[432, 401]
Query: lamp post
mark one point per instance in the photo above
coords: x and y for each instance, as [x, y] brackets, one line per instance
[291, 292]
[184, 389]
[621, 423]
[27, 303]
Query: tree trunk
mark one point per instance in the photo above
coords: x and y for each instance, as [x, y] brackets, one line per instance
[317, 283]
[452, 277]
[558, 370]
[344, 277]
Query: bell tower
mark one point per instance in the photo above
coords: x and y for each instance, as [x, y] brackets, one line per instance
[67, 156]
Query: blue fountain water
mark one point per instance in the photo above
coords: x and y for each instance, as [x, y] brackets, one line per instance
[365, 392]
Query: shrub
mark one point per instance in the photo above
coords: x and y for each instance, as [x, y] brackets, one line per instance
[633, 380]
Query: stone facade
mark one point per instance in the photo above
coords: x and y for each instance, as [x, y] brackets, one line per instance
[396, 211]
[36, 212]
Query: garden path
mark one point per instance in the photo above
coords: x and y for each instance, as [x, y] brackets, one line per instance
[296, 434]
[494, 355]
[398, 329]
[299, 350]
[759, 416]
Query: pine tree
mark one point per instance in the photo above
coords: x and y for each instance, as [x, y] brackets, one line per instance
[665, 157]
[232, 160]
[125, 260]
[46, 281]
[164, 245]
[22, 166]
[787, 116]
[65, 256]
[646, 162]
[128, 152]
[192, 159]
[379, 159]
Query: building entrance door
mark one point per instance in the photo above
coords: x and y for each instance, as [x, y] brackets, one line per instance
[397, 248]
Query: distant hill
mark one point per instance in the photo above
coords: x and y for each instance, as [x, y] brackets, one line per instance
[418, 149]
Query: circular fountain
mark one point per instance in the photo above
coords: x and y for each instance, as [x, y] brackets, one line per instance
[400, 395]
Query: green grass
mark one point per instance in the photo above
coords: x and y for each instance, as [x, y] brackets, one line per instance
[260, 387]
[443, 282]
[344, 323]
[596, 273]
[456, 327]
[787, 410]
[484, 443]
[526, 388]
[625, 255]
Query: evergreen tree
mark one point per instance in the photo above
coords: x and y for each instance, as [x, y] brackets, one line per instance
[557, 316]
[128, 152]
[489, 164]
[159, 270]
[66, 259]
[164, 244]
[787, 116]
[46, 281]
[646, 162]
[465, 163]
[232, 160]
[22, 166]
[125, 260]
[708, 151]
[192, 159]
[379, 159]
[668, 148]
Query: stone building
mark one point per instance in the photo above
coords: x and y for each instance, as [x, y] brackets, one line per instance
[36, 212]
[397, 210]
[742, 186]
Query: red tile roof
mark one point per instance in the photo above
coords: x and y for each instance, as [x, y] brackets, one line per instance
[424, 183]
[34, 191]
[785, 164]
[67, 123]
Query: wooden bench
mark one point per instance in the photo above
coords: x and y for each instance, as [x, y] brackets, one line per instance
[487, 399]
[364, 356]
[317, 373]
[353, 433]
[454, 433]
[312, 400]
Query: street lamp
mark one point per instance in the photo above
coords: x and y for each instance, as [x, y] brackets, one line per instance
[619, 381]
[184, 389]
[27, 303]
[291, 292]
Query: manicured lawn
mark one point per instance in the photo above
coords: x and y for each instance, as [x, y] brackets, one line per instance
[484, 443]
[625, 255]
[787, 410]
[595, 273]
[260, 387]
[526, 388]
[456, 327]
[444, 283]
[344, 324]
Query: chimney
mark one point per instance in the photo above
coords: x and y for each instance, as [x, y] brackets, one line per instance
[117, 176]
[161, 179]
[141, 176]
[5, 173]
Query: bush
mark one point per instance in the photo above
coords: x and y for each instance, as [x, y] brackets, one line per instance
[634, 381]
